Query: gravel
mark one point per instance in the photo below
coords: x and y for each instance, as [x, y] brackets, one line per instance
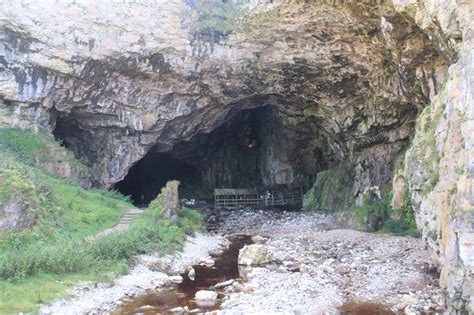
[314, 269]
[317, 267]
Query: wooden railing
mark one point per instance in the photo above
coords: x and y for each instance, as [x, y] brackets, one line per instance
[263, 197]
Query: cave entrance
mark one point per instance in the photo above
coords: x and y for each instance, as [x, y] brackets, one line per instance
[146, 178]
[240, 153]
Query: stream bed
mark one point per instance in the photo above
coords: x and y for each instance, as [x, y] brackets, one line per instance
[182, 295]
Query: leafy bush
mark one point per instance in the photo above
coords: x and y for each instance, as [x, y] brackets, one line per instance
[155, 210]
[381, 210]
[399, 227]
[406, 222]
[189, 220]
[373, 213]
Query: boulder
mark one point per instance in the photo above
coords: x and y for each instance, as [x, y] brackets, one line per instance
[13, 214]
[169, 198]
[192, 274]
[176, 279]
[206, 298]
[255, 254]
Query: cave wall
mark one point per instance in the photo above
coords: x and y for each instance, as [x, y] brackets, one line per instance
[347, 79]
[253, 148]
[439, 165]
[329, 69]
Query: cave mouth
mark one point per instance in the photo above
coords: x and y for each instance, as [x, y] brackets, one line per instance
[247, 150]
[146, 178]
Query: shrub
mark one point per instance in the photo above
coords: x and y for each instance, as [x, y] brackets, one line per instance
[406, 222]
[189, 220]
[373, 213]
[400, 227]
[69, 256]
[122, 269]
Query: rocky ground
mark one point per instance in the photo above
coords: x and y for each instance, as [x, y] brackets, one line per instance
[316, 269]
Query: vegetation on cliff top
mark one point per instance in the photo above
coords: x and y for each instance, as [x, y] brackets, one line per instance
[213, 20]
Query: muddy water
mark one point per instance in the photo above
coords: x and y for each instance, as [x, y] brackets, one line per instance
[161, 301]
[364, 308]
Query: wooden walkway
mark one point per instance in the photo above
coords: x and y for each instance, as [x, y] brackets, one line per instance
[278, 195]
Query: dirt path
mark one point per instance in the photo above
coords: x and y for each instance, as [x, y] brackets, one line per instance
[123, 224]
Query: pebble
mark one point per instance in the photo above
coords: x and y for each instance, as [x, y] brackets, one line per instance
[192, 274]
[338, 264]
[207, 262]
[177, 310]
[176, 279]
[257, 239]
[409, 299]
[224, 284]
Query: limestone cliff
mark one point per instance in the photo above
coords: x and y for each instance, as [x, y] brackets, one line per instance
[439, 165]
[114, 82]
[338, 86]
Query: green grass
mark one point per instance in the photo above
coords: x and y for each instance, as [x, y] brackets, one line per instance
[39, 263]
[36, 148]
[25, 294]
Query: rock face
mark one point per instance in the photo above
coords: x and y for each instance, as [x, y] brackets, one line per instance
[440, 165]
[339, 79]
[169, 198]
[281, 92]
[13, 214]
[206, 298]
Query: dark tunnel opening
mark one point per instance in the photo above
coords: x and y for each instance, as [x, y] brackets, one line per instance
[146, 178]
[229, 156]
[252, 148]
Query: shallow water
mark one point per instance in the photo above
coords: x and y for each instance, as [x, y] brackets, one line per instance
[363, 308]
[180, 295]
[225, 268]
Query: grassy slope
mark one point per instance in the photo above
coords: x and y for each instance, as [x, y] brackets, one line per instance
[64, 210]
[39, 264]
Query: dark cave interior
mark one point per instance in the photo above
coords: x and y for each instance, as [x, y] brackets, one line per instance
[251, 148]
[237, 154]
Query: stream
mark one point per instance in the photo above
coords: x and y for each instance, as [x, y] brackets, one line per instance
[316, 269]
[180, 297]
[182, 294]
